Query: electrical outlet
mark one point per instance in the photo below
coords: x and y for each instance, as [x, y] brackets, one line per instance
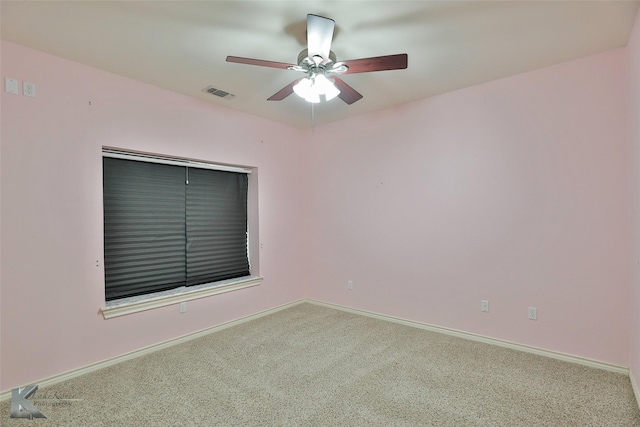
[533, 313]
[183, 307]
[350, 284]
[29, 89]
[484, 306]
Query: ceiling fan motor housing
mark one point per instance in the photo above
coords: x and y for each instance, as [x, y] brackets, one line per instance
[303, 57]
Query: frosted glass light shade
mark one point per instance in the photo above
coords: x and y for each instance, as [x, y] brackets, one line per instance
[326, 87]
[310, 88]
[303, 88]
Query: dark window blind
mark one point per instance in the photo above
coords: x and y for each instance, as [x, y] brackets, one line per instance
[216, 226]
[160, 233]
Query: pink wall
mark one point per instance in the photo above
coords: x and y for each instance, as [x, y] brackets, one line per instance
[634, 122]
[515, 191]
[52, 210]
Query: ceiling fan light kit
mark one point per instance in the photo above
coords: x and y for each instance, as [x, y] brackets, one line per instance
[320, 66]
[312, 87]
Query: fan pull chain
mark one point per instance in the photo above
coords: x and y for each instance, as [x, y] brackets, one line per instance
[313, 118]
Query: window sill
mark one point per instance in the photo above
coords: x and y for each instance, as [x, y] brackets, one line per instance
[136, 304]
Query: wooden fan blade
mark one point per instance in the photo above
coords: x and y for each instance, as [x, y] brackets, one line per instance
[347, 93]
[377, 63]
[319, 35]
[284, 92]
[259, 62]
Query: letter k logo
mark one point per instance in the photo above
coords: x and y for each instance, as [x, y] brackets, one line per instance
[21, 407]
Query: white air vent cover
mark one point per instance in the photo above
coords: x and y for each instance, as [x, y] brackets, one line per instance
[218, 92]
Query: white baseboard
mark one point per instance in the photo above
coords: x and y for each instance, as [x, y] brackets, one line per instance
[487, 340]
[5, 395]
[635, 386]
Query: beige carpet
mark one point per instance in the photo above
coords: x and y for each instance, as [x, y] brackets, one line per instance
[313, 366]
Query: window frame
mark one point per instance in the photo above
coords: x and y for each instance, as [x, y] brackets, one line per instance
[133, 304]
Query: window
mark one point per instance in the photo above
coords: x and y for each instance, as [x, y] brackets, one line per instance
[172, 223]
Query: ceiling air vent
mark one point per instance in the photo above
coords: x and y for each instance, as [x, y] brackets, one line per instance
[218, 92]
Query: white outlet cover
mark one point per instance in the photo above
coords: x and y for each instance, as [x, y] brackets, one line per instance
[29, 89]
[533, 313]
[484, 306]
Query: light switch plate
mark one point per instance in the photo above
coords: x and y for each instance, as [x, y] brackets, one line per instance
[11, 86]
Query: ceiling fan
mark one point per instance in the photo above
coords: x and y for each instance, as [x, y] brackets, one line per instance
[319, 64]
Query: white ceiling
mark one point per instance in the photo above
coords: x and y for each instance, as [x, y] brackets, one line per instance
[182, 45]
